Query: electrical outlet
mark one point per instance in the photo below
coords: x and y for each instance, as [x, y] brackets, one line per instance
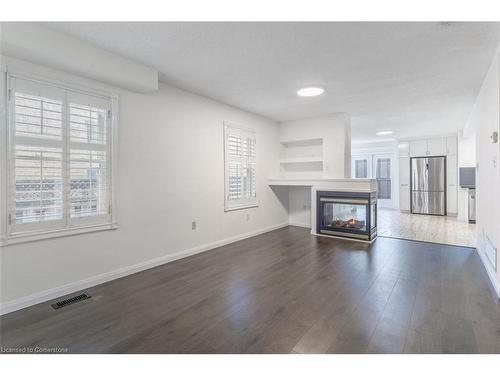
[494, 137]
[248, 217]
[193, 225]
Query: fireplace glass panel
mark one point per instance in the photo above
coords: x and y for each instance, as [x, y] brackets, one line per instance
[345, 215]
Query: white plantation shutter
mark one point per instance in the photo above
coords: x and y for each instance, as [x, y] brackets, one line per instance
[36, 153]
[88, 183]
[240, 167]
[38, 184]
[59, 158]
[89, 153]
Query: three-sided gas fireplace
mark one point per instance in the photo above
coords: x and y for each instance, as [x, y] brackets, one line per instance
[347, 214]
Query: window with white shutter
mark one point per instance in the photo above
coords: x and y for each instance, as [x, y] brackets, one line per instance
[240, 167]
[58, 159]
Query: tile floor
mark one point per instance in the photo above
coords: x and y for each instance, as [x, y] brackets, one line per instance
[439, 229]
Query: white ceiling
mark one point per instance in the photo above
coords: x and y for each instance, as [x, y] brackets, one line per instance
[413, 78]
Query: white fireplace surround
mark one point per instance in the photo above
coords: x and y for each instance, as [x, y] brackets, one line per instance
[363, 185]
[349, 185]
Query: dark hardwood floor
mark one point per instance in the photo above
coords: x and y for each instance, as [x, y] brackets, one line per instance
[282, 292]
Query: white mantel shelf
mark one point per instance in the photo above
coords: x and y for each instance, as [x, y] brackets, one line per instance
[362, 182]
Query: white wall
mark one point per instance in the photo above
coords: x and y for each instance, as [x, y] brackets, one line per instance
[170, 173]
[335, 129]
[299, 207]
[483, 120]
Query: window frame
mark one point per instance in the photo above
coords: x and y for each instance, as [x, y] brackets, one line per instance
[376, 159]
[241, 203]
[66, 226]
[369, 162]
[365, 161]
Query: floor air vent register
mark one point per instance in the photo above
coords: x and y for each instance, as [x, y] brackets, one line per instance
[70, 301]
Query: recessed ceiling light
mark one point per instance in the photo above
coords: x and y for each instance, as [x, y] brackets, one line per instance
[384, 132]
[310, 91]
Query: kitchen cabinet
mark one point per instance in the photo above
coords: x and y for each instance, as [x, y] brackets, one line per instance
[451, 146]
[451, 201]
[429, 147]
[451, 170]
[404, 184]
[436, 146]
[451, 184]
[418, 148]
[404, 149]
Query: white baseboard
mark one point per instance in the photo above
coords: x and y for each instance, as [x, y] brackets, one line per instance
[490, 273]
[60, 291]
[297, 224]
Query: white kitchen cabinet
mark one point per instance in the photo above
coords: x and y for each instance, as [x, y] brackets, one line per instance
[451, 170]
[451, 145]
[436, 146]
[451, 201]
[451, 184]
[404, 199]
[404, 149]
[418, 148]
[404, 184]
[433, 147]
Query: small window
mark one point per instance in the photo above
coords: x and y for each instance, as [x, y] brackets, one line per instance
[240, 168]
[361, 168]
[59, 159]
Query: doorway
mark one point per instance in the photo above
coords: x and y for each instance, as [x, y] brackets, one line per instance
[380, 167]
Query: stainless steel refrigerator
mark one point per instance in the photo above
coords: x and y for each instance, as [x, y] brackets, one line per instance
[428, 185]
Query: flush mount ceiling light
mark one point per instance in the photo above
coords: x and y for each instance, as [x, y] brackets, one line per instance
[384, 132]
[310, 91]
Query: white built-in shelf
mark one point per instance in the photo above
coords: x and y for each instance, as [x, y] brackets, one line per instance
[301, 160]
[302, 142]
[293, 182]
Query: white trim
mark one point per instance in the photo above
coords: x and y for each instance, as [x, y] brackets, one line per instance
[298, 224]
[485, 261]
[241, 207]
[3, 150]
[47, 234]
[373, 150]
[442, 135]
[24, 74]
[56, 292]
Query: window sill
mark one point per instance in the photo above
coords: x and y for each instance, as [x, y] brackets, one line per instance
[241, 207]
[38, 236]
